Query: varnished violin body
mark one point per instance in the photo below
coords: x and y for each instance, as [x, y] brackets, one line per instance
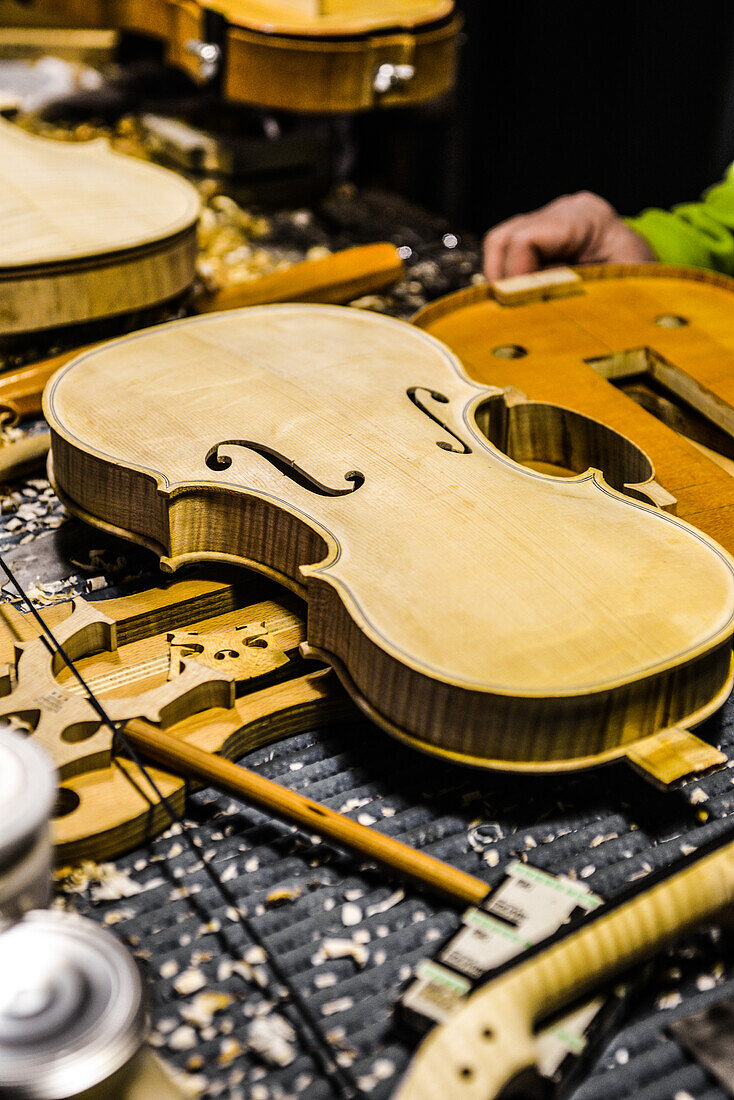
[473, 607]
[303, 55]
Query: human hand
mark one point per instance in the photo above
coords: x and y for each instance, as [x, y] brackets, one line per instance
[582, 228]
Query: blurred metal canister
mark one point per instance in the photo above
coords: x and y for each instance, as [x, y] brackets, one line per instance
[72, 1015]
[27, 796]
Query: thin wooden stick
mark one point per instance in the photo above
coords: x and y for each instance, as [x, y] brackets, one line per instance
[185, 759]
[339, 277]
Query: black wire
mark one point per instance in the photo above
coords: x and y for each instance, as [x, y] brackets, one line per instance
[307, 1026]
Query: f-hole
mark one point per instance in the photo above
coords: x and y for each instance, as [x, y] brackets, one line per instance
[284, 465]
[415, 393]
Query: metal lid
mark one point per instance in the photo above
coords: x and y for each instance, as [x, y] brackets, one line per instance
[71, 1006]
[27, 792]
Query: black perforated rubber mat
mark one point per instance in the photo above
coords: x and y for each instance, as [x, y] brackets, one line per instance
[606, 828]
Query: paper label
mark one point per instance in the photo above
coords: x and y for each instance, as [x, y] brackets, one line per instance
[436, 992]
[527, 907]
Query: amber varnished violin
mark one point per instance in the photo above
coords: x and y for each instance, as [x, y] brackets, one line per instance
[301, 55]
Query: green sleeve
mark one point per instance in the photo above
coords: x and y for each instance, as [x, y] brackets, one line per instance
[697, 233]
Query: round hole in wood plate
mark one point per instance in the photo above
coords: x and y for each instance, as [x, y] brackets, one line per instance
[510, 351]
[66, 802]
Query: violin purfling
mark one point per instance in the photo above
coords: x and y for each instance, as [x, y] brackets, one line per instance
[474, 607]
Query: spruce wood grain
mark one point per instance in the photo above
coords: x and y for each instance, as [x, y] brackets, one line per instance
[475, 608]
[87, 233]
[574, 347]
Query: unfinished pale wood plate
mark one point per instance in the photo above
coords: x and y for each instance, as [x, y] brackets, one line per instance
[478, 609]
[88, 233]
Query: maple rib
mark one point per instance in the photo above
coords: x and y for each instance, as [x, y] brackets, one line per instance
[88, 234]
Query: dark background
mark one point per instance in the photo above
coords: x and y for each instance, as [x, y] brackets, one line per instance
[634, 102]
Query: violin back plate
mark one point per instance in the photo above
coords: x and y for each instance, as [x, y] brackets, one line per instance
[87, 232]
[471, 605]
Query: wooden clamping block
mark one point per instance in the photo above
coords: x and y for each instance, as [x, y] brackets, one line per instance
[557, 282]
[673, 754]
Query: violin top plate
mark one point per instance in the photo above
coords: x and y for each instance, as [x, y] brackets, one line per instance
[70, 201]
[339, 451]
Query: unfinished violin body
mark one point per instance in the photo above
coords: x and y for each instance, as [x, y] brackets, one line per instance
[88, 234]
[474, 607]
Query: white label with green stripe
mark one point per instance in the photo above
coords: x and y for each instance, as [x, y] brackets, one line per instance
[435, 993]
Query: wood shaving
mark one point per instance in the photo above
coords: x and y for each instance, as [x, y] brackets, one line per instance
[341, 949]
[353, 804]
[272, 1038]
[256, 955]
[189, 981]
[183, 1038]
[227, 968]
[116, 915]
[228, 1051]
[351, 914]
[603, 839]
[201, 1011]
[105, 881]
[343, 1004]
[282, 896]
[383, 906]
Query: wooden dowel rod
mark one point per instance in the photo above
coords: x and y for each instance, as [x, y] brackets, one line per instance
[20, 392]
[337, 278]
[187, 760]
